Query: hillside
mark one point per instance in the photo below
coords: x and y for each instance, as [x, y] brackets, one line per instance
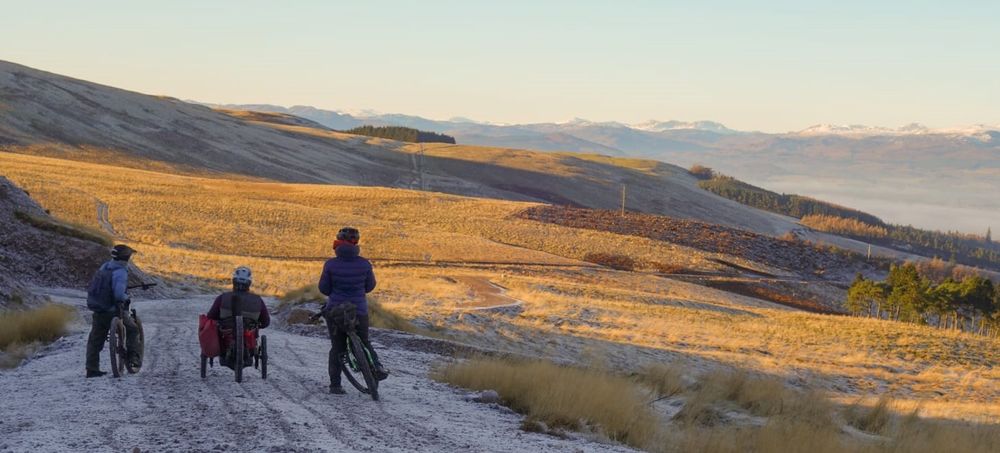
[38, 250]
[860, 167]
[68, 118]
[438, 257]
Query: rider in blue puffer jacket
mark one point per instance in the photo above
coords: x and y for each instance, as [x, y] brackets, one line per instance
[347, 278]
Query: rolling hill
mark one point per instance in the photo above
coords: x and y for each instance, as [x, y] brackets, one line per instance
[52, 115]
[949, 174]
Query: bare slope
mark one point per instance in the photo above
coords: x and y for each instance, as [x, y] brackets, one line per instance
[36, 249]
[58, 116]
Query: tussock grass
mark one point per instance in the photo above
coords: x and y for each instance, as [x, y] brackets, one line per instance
[65, 228]
[43, 324]
[664, 380]
[562, 397]
[874, 419]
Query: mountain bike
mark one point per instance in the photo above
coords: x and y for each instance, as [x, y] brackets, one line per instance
[357, 363]
[116, 337]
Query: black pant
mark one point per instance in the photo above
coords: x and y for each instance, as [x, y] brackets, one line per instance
[338, 340]
[99, 327]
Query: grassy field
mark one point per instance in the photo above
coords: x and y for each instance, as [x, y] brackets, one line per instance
[428, 246]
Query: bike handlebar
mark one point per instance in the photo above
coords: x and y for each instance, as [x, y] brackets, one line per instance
[144, 286]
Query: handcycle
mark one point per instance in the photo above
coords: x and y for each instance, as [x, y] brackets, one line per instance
[356, 359]
[253, 347]
[116, 337]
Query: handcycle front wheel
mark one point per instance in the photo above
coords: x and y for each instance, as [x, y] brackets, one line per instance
[238, 346]
[116, 347]
[262, 351]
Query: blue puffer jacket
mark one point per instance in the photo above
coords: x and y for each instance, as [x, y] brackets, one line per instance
[108, 287]
[347, 278]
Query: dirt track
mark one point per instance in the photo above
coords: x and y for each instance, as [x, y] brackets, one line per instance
[49, 406]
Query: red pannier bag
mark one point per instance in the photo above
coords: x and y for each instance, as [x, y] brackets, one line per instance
[249, 339]
[208, 336]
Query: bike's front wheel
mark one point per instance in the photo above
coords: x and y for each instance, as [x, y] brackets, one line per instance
[364, 366]
[116, 347]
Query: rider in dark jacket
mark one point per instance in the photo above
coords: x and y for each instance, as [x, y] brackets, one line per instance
[347, 278]
[239, 301]
[106, 293]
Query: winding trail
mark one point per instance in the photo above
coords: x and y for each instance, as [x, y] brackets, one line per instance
[49, 406]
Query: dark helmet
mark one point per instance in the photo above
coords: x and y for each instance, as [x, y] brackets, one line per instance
[349, 234]
[121, 252]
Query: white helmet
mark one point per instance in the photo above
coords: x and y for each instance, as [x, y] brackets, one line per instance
[242, 276]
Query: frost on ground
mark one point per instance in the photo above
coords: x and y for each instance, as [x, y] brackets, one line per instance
[49, 406]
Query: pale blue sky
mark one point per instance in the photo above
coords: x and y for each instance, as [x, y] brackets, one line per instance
[772, 66]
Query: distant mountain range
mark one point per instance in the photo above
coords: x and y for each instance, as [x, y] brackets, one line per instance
[947, 179]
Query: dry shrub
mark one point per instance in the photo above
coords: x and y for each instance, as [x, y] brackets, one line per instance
[561, 396]
[701, 172]
[791, 434]
[668, 268]
[304, 295]
[922, 436]
[664, 380]
[874, 419]
[44, 324]
[620, 262]
[759, 395]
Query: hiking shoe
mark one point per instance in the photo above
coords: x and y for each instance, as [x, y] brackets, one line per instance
[381, 373]
[98, 373]
[337, 390]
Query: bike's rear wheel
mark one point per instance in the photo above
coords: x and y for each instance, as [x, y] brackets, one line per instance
[238, 347]
[364, 366]
[116, 347]
[263, 356]
[139, 348]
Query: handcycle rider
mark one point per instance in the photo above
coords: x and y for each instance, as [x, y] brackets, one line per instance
[346, 279]
[250, 305]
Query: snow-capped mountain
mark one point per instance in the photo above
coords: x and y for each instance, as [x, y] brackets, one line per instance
[858, 130]
[673, 125]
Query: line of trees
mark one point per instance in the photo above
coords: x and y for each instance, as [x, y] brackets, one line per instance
[961, 248]
[968, 249]
[403, 134]
[792, 205]
[970, 305]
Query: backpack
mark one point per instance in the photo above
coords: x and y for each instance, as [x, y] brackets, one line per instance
[100, 294]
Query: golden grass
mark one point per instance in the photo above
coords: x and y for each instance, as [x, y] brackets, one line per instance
[789, 420]
[561, 396]
[45, 323]
[184, 228]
